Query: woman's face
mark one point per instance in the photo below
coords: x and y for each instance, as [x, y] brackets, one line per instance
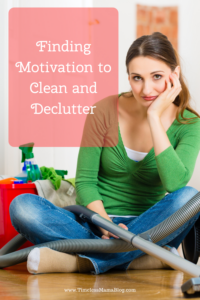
[147, 77]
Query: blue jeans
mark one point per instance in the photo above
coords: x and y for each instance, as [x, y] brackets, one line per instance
[40, 221]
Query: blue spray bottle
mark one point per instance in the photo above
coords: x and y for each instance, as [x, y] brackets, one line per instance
[30, 170]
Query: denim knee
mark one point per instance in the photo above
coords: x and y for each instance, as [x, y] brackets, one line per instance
[19, 209]
[181, 196]
[186, 193]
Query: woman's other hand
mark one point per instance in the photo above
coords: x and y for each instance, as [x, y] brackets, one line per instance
[108, 234]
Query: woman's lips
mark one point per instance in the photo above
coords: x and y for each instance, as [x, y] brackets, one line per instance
[150, 98]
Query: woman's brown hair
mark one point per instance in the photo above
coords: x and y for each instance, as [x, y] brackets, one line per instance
[158, 46]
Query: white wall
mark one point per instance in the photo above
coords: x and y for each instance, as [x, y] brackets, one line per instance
[3, 96]
[189, 44]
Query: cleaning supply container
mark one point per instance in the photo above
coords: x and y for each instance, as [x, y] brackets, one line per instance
[8, 180]
[7, 193]
[30, 170]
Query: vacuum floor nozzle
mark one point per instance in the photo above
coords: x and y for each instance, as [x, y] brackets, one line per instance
[191, 287]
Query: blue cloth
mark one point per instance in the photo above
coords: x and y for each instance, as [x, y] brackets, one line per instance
[40, 221]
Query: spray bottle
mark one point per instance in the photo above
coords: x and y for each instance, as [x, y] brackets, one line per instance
[30, 170]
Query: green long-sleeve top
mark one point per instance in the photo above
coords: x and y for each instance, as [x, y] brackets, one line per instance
[127, 187]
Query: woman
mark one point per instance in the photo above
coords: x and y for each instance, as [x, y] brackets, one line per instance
[125, 182]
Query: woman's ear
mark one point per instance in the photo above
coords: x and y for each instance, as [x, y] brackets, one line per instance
[177, 71]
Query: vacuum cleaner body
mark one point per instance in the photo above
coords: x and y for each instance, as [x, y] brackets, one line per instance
[191, 243]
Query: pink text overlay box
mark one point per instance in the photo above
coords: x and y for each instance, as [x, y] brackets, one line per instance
[63, 70]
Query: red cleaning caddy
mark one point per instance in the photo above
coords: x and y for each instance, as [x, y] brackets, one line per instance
[7, 193]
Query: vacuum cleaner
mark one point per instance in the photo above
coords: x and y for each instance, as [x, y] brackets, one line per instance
[145, 241]
[191, 243]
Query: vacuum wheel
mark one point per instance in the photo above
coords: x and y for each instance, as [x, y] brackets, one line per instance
[191, 243]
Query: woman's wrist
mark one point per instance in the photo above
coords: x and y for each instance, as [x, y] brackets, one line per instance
[153, 119]
[152, 115]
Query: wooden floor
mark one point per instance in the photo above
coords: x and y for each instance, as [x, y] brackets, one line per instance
[17, 283]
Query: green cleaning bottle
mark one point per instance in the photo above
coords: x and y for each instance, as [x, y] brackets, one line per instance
[30, 170]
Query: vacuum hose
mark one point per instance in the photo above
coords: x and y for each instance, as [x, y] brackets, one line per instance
[155, 234]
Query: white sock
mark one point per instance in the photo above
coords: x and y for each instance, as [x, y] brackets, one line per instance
[45, 260]
[173, 250]
[33, 260]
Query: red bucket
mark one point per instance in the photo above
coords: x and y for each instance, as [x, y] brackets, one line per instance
[7, 193]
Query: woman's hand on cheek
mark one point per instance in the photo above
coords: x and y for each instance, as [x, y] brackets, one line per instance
[162, 102]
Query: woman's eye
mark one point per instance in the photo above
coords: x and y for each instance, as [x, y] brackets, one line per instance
[158, 75]
[135, 78]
